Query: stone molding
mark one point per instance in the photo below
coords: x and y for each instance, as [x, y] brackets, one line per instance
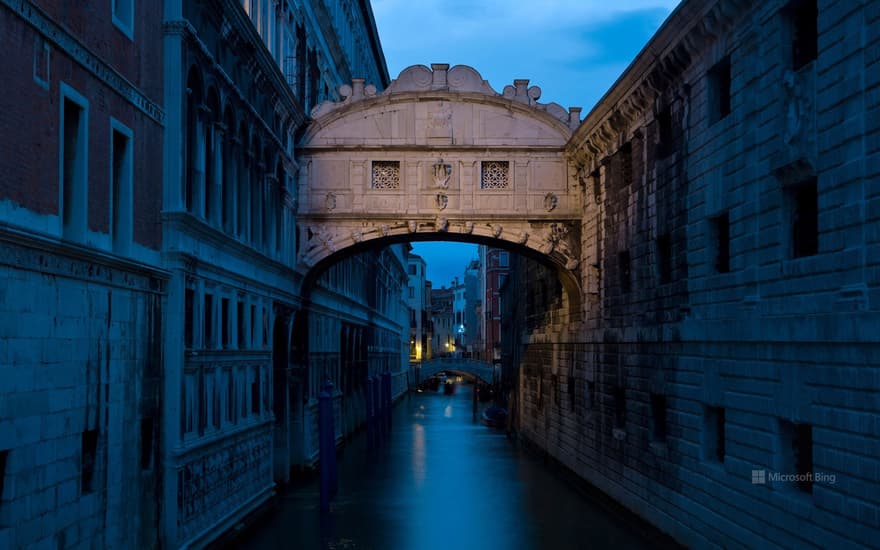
[460, 79]
[78, 52]
[660, 65]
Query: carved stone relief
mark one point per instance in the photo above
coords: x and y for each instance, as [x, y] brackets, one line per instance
[441, 174]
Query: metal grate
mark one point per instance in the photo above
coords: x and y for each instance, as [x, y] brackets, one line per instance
[386, 174]
[495, 174]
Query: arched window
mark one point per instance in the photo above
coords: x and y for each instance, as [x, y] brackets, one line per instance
[244, 179]
[213, 158]
[193, 171]
[256, 190]
[227, 206]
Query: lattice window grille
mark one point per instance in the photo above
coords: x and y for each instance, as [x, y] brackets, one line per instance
[495, 174]
[386, 174]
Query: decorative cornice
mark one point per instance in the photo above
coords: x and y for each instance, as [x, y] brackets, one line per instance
[76, 50]
[460, 79]
[681, 39]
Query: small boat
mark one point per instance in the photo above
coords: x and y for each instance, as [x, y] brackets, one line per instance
[449, 387]
[495, 416]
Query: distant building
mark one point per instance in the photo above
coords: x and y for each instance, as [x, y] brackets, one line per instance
[442, 320]
[495, 266]
[419, 297]
[473, 308]
[459, 309]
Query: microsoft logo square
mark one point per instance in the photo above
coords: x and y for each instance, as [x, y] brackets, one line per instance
[759, 477]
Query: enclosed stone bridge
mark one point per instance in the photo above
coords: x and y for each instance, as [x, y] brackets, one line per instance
[440, 155]
[480, 369]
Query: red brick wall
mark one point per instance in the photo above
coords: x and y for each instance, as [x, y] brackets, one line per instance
[29, 153]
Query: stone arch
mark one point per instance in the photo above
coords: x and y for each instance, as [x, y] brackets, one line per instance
[568, 278]
[439, 155]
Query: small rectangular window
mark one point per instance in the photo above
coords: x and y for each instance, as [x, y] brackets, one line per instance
[229, 383]
[664, 258]
[720, 235]
[623, 271]
[123, 16]
[253, 339]
[74, 165]
[255, 391]
[804, 208]
[224, 322]
[713, 434]
[386, 174]
[188, 317]
[797, 453]
[665, 145]
[88, 456]
[503, 259]
[658, 418]
[803, 20]
[494, 174]
[626, 164]
[120, 188]
[209, 322]
[41, 60]
[242, 331]
[619, 396]
[719, 90]
[4, 457]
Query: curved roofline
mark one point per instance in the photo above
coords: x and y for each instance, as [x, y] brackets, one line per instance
[327, 118]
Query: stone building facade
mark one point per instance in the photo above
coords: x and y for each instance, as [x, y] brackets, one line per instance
[81, 290]
[494, 267]
[250, 341]
[153, 388]
[419, 293]
[725, 383]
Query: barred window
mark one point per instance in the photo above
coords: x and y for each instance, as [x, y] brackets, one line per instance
[495, 174]
[386, 174]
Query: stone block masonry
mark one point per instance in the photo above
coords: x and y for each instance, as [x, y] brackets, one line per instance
[78, 378]
[729, 392]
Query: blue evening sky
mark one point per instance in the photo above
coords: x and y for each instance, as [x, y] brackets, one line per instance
[573, 50]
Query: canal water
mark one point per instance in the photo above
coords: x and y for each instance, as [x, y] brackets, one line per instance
[441, 481]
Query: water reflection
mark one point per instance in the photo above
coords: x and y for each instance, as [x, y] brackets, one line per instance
[441, 482]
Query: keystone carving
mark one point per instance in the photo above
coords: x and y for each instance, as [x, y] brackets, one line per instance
[496, 230]
[412, 225]
[469, 227]
[442, 224]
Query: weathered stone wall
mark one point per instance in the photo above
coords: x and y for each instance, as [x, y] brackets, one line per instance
[705, 372]
[80, 368]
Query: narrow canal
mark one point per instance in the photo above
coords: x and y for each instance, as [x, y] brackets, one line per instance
[442, 481]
